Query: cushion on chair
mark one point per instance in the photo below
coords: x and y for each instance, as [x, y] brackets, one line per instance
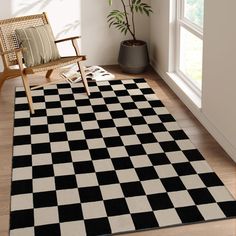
[39, 43]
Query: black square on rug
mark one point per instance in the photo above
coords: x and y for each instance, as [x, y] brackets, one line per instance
[111, 163]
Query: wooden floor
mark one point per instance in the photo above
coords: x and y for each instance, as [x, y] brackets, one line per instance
[213, 153]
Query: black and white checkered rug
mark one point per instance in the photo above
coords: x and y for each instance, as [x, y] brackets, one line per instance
[111, 163]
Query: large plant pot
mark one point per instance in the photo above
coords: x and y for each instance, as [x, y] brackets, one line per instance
[133, 58]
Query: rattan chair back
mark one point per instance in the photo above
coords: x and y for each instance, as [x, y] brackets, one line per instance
[8, 40]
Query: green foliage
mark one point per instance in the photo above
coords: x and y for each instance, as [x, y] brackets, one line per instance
[117, 19]
[120, 18]
[141, 7]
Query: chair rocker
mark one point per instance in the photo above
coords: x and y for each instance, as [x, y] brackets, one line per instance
[12, 55]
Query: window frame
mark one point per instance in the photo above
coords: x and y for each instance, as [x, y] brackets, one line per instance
[182, 21]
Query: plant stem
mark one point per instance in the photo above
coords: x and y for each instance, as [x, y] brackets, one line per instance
[132, 14]
[127, 20]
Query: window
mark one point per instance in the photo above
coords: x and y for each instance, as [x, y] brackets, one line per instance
[189, 43]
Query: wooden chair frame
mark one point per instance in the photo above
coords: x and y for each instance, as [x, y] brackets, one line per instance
[13, 55]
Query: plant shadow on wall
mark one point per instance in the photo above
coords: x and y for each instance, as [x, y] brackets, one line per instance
[27, 6]
[69, 27]
[133, 54]
[41, 5]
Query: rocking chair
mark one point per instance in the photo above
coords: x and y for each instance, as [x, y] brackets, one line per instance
[12, 54]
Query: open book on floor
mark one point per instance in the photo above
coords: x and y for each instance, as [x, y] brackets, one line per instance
[92, 73]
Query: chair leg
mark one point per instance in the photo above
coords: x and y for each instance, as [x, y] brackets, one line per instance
[83, 76]
[2, 79]
[81, 68]
[49, 73]
[25, 80]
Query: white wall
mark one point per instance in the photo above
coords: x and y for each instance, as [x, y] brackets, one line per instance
[159, 34]
[219, 83]
[218, 113]
[64, 15]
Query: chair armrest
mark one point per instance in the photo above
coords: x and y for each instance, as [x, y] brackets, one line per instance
[12, 51]
[66, 39]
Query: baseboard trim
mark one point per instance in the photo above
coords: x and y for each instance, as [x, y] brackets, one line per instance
[197, 112]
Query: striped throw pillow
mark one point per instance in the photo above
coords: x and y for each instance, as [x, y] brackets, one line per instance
[40, 44]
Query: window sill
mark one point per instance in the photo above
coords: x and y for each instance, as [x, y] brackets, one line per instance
[192, 95]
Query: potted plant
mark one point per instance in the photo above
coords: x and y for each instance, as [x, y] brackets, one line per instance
[133, 54]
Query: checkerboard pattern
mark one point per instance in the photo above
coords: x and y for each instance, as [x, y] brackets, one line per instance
[111, 163]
